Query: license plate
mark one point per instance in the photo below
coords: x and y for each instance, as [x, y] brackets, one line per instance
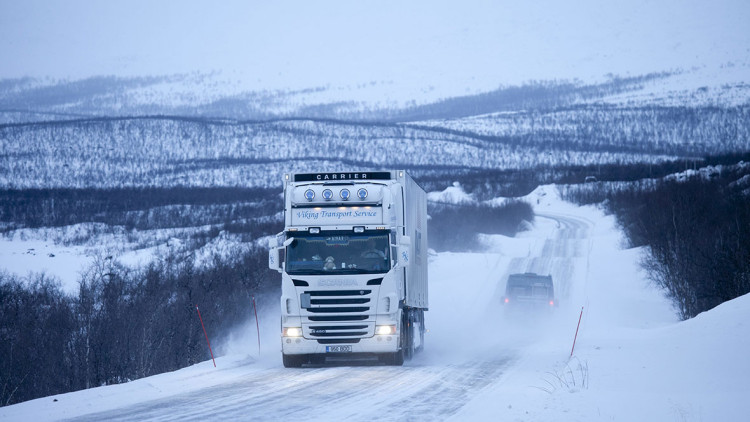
[339, 349]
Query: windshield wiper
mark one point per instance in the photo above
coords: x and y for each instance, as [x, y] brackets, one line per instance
[337, 271]
[357, 271]
[308, 271]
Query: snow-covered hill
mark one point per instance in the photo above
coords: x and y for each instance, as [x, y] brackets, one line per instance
[367, 55]
[632, 361]
[237, 93]
[162, 151]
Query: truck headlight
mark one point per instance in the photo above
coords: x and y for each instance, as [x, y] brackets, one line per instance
[291, 332]
[385, 330]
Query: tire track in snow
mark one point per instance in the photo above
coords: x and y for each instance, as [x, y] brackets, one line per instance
[359, 393]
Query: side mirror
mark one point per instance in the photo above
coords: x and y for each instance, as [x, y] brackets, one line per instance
[401, 253]
[274, 254]
[274, 259]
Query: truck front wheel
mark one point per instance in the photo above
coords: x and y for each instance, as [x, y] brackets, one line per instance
[395, 359]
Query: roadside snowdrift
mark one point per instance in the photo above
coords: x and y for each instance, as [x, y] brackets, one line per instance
[633, 359]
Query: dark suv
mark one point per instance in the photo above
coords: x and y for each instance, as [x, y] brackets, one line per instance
[529, 289]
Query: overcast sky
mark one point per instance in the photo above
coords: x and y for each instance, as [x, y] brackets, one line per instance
[297, 44]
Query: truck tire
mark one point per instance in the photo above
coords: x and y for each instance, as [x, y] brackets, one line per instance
[421, 330]
[397, 358]
[393, 359]
[293, 361]
[408, 335]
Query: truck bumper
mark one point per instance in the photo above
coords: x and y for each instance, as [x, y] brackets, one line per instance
[303, 346]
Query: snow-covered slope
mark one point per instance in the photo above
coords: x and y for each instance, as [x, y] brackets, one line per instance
[632, 361]
[451, 195]
[374, 54]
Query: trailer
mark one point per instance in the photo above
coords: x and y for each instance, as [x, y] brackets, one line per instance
[353, 264]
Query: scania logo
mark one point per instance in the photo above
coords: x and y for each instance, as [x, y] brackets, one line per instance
[333, 283]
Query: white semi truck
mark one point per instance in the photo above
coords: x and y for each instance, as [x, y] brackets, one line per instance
[353, 264]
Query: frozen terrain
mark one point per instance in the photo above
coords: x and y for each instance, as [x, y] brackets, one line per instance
[377, 54]
[633, 360]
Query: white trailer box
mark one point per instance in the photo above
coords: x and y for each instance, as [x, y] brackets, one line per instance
[353, 264]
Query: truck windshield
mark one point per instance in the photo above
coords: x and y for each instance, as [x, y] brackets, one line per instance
[338, 253]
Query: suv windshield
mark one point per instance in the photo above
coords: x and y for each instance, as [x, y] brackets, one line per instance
[529, 286]
[338, 253]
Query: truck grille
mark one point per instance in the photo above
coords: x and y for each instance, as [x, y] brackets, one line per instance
[338, 340]
[339, 314]
[339, 293]
[338, 331]
[338, 310]
[337, 318]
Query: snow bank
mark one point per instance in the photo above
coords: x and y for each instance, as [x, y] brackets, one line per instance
[633, 359]
[451, 195]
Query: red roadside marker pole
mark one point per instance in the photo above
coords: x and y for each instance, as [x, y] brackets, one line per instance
[576, 337]
[204, 333]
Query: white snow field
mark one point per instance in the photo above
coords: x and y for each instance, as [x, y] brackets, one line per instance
[633, 359]
[386, 53]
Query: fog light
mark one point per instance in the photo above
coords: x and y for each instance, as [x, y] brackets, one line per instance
[385, 330]
[291, 332]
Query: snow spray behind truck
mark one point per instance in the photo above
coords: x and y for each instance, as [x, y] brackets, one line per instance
[353, 264]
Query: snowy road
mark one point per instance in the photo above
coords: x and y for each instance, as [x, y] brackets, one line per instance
[346, 393]
[463, 355]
